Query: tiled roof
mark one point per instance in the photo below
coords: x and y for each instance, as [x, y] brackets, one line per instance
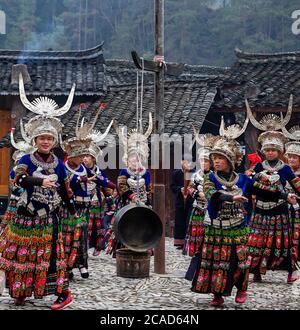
[187, 99]
[53, 73]
[266, 79]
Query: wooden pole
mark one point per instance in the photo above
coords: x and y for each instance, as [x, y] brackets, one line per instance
[158, 179]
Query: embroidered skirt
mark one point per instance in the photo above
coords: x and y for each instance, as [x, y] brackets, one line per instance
[10, 212]
[75, 237]
[195, 232]
[269, 243]
[295, 225]
[95, 227]
[222, 261]
[33, 256]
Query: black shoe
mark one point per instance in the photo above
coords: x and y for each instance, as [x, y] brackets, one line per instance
[84, 272]
[71, 275]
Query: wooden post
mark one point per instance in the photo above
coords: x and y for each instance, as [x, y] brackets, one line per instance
[157, 66]
[159, 187]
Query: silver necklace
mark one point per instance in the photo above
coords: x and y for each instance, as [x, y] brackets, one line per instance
[45, 166]
[83, 173]
[131, 173]
[279, 165]
[230, 183]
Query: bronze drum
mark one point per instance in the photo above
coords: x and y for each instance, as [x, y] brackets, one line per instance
[138, 227]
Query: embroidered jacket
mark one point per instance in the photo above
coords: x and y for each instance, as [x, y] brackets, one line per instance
[36, 200]
[279, 178]
[79, 183]
[127, 185]
[222, 210]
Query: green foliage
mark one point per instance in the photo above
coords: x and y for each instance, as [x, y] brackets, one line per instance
[196, 32]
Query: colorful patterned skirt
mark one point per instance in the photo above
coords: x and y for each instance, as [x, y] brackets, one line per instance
[195, 231]
[222, 261]
[113, 244]
[95, 227]
[33, 256]
[295, 228]
[75, 237]
[10, 212]
[269, 243]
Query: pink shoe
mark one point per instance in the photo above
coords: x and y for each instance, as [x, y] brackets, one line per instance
[63, 301]
[217, 301]
[96, 253]
[292, 277]
[20, 301]
[241, 296]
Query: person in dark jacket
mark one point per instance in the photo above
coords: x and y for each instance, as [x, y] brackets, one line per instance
[183, 201]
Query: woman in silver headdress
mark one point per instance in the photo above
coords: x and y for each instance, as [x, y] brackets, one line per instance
[222, 261]
[292, 153]
[102, 200]
[195, 228]
[270, 240]
[31, 244]
[133, 182]
[75, 233]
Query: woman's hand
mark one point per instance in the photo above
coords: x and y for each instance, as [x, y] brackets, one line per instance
[201, 195]
[48, 183]
[292, 199]
[264, 178]
[74, 216]
[91, 178]
[240, 199]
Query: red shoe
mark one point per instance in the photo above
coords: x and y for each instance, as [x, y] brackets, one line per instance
[20, 301]
[241, 296]
[96, 253]
[292, 277]
[257, 277]
[217, 301]
[64, 300]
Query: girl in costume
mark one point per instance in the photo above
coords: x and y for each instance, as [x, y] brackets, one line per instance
[31, 244]
[270, 240]
[196, 224]
[76, 233]
[133, 182]
[292, 154]
[222, 258]
[100, 196]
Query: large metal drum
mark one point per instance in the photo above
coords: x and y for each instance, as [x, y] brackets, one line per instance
[138, 227]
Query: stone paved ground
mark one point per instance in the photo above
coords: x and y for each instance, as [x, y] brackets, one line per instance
[104, 290]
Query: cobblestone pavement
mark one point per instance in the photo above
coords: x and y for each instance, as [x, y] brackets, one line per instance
[104, 290]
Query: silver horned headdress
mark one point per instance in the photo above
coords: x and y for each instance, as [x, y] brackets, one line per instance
[81, 143]
[97, 140]
[206, 142]
[226, 145]
[135, 142]
[292, 147]
[46, 110]
[23, 147]
[270, 124]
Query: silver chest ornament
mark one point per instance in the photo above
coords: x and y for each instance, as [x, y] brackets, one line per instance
[38, 174]
[134, 183]
[273, 177]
